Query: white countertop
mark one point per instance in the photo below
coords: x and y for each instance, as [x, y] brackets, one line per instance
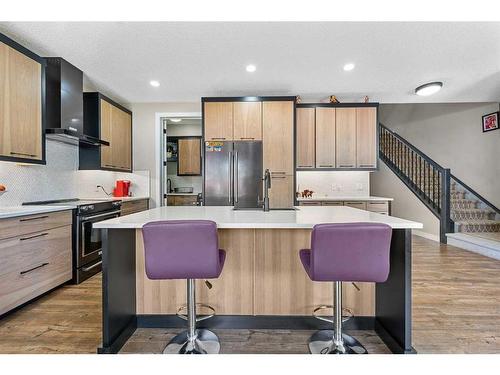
[15, 211]
[225, 217]
[345, 198]
[123, 199]
[188, 194]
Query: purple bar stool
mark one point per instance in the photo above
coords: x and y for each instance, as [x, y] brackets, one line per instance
[345, 252]
[185, 249]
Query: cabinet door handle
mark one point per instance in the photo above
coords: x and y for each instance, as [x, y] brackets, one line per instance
[218, 139]
[357, 287]
[274, 172]
[31, 237]
[366, 166]
[22, 154]
[326, 166]
[247, 138]
[34, 268]
[346, 166]
[278, 177]
[34, 218]
[305, 166]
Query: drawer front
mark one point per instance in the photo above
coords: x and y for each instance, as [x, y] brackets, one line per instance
[33, 264]
[332, 203]
[19, 226]
[185, 200]
[309, 203]
[131, 207]
[359, 205]
[380, 207]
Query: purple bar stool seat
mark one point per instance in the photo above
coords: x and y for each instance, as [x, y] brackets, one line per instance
[345, 252]
[185, 249]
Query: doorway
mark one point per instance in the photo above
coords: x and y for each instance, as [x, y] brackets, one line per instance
[181, 178]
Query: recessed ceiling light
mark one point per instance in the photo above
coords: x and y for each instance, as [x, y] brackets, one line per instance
[251, 68]
[428, 88]
[176, 119]
[154, 83]
[348, 67]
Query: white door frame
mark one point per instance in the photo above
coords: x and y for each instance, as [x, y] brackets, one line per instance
[158, 142]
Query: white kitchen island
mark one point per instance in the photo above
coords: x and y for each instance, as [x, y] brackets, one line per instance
[262, 285]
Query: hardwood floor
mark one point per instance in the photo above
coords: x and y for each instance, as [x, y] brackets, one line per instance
[456, 305]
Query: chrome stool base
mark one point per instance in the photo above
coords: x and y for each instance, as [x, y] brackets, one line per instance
[205, 342]
[321, 342]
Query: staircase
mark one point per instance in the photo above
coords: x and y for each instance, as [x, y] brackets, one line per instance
[463, 214]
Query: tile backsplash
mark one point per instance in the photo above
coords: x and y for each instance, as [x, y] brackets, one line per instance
[334, 183]
[60, 178]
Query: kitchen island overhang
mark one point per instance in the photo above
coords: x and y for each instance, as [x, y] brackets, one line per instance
[262, 285]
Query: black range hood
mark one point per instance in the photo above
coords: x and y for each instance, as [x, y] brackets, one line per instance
[64, 104]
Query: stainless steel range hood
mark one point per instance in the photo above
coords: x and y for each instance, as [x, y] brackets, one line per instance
[64, 104]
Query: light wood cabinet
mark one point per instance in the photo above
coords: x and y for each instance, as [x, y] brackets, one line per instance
[181, 200]
[21, 90]
[325, 137]
[189, 157]
[337, 136]
[35, 256]
[366, 137]
[345, 133]
[134, 206]
[356, 204]
[281, 192]
[218, 121]
[380, 207]
[120, 146]
[277, 123]
[306, 137]
[247, 121]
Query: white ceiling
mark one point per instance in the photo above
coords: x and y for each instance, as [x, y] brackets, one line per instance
[208, 59]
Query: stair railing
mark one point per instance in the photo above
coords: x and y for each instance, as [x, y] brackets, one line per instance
[428, 180]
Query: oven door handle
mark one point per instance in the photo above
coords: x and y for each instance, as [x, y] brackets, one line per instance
[85, 218]
[86, 269]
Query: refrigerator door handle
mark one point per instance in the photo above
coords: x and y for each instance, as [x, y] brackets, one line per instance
[229, 174]
[236, 176]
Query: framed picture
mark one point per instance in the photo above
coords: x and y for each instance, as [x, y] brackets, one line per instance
[490, 122]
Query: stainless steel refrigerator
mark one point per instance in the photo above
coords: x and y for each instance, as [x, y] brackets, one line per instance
[233, 174]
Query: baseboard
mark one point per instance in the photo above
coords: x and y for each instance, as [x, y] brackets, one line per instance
[254, 322]
[429, 236]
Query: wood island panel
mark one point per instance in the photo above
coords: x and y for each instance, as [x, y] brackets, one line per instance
[231, 294]
[262, 275]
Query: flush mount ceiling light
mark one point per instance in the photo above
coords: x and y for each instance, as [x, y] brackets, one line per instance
[429, 88]
[348, 67]
[176, 119]
[251, 68]
[154, 83]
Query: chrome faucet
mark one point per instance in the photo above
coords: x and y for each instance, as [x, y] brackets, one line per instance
[267, 186]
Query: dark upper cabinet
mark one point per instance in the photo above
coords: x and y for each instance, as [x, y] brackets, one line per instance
[109, 121]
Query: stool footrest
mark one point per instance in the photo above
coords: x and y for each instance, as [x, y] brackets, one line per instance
[346, 313]
[199, 318]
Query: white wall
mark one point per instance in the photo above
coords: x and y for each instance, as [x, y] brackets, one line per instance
[144, 127]
[405, 205]
[451, 134]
